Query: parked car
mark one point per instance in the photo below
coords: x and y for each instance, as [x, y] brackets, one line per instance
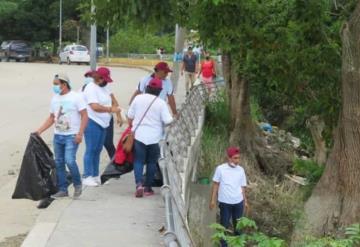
[15, 49]
[74, 54]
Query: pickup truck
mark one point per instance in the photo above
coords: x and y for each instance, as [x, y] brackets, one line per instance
[15, 49]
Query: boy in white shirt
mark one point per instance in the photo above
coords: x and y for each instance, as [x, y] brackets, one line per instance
[228, 189]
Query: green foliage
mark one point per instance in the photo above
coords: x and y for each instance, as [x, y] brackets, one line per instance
[308, 169]
[352, 239]
[34, 20]
[256, 112]
[251, 236]
[215, 137]
[134, 40]
[311, 171]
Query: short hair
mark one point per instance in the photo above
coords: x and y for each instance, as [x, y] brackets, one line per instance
[153, 91]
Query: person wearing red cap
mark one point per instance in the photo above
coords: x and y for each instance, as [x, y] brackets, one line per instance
[161, 71]
[147, 116]
[229, 183]
[100, 109]
[109, 139]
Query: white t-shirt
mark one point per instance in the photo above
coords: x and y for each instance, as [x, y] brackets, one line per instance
[66, 109]
[151, 129]
[165, 92]
[231, 180]
[100, 95]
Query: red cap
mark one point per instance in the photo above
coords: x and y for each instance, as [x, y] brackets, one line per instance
[163, 66]
[231, 151]
[155, 83]
[104, 73]
[89, 73]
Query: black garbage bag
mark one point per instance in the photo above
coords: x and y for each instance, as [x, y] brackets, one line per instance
[113, 170]
[44, 203]
[37, 178]
[158, 179]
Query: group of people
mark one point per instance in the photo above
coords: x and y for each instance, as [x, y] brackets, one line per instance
[191, 69]
[88, 113]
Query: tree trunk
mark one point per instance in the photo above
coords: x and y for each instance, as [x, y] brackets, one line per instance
[243, 132]
[335, 201]
[316, 126]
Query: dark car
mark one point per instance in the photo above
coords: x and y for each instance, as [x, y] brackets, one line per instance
[15, 49]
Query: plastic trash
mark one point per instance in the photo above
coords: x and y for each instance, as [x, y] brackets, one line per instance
[37, 178]
[266, 127]
[113, 170]
[158, 178]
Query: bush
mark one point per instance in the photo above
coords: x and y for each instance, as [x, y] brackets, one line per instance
[250, 237]
[140, 41]
[352, 239]
[308, 169]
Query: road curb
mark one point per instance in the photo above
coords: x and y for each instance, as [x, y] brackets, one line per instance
[39, 235]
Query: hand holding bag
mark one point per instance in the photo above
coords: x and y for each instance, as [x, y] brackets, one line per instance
[128, 143]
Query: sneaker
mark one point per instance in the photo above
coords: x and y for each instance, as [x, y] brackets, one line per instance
[89, 181]
[148, 191]
[139, 191]
[77, 191]
[97, 180]
[60, 194]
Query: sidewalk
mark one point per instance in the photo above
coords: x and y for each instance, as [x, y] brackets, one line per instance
[104, 216]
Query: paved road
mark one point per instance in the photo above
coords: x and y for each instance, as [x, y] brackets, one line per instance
[25, 96]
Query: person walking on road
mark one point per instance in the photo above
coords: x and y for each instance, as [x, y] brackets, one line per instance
[208, 72]
[147, 115]
[189, 65]
[68, 113]
[161, 71]
[100, 109]
[229, 183]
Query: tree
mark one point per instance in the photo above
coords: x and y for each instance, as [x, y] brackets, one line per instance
[335, 201]
[35, 20]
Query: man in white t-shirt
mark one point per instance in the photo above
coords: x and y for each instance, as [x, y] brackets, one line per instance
[148, 114]
[68, 113]
[161, 71]
[228, 190]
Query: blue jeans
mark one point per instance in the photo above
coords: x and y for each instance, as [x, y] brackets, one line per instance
[94, 141]
[149, 155]
[109, 139]
[65, 150]
[230, 211]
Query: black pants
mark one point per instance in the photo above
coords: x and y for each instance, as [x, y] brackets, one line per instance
[230, 211]
[109, 139]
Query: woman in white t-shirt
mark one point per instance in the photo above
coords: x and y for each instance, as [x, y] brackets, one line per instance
[99, 107]
[229, 183]
[147, 114]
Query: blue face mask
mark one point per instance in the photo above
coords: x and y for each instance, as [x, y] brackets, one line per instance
[57, 89]
[88, 80]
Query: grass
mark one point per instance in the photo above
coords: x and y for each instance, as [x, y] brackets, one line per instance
[215, 137]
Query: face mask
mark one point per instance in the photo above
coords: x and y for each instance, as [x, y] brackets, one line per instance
[88, 80]
[103, 84]
[57, 89]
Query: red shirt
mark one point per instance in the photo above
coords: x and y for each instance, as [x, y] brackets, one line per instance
[207, 68]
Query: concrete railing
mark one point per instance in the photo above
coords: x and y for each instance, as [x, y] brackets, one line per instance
[179, 159]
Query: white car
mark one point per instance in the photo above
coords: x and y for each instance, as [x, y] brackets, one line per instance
[74, 54]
